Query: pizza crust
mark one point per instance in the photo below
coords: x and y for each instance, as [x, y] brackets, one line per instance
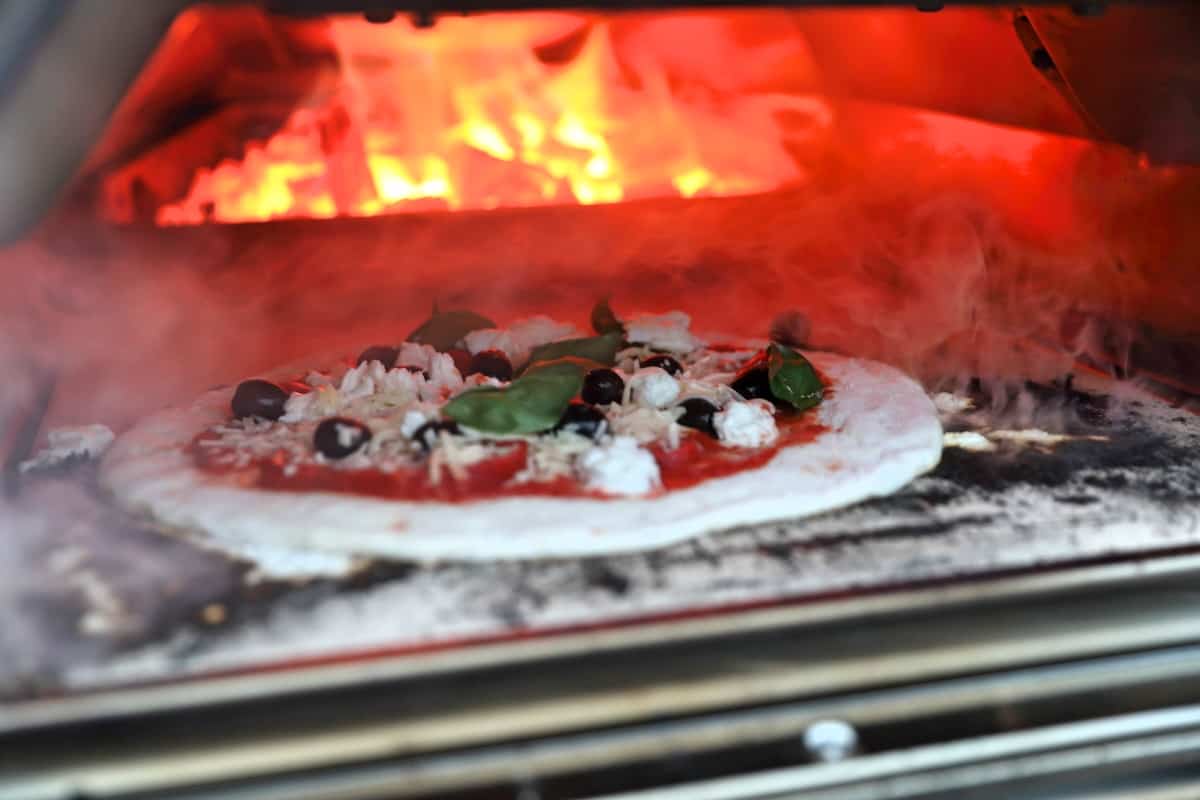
[883, 432]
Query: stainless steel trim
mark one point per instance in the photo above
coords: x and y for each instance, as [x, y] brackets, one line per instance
[202, 691]
[861, 669]
[498, 765]
[1158, 737]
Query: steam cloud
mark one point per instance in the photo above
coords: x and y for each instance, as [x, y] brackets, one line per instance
[945, 262]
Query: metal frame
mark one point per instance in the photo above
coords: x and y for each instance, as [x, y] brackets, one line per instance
[438, 721]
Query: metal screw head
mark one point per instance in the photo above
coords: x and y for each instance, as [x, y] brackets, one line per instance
[830, 740]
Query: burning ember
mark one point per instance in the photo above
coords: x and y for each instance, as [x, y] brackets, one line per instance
[505, 110]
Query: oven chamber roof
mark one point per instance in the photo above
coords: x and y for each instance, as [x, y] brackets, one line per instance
[1050, 68]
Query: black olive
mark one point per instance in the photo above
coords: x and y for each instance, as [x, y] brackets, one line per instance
[698, 414]
[427, 435]
[754, 383]
[492, 363]
[256, 398]
[602, 386]
[582, 419]
[667, 364]
[338, 437]
[384, 355]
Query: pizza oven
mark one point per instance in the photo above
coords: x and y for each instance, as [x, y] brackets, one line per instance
[998, 199]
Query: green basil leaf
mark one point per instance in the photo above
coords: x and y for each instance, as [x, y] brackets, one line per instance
[793, 378]
[443, 330]
[532, 403]
[601, 349]
[604, 320]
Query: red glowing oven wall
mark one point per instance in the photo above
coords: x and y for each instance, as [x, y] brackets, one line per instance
[960, 192]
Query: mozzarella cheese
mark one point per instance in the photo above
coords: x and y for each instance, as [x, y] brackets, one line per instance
[670, 332]
[644, 424]
[619, 467]
[518, 340]
[415, 355]
[492, 339]
[654, 387]
[444, 379]
[536, 331]
[323, 401]
[746, 424]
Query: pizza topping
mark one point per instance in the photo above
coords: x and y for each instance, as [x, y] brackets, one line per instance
[258, 398]
[532, 403]
[753, 382]
[793, 379]
[338, 437]
[499, 412]
[445, 329]
[520, 339]
[652, 386]
[667, 332]
[492, 363]
[461, 359]
[533, 332]
[748, 424]
[582, 420]
[620, 467]
[665, 363]
[604, 320]
[552, 457]
[444, 379]
[601, 349]
[644, 423]
[384, 355]
[602, 386]
[412, 354]
[317, 404]
[698, 414]
[493, 339]
[431, 433]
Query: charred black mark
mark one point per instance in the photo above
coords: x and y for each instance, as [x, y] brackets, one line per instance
[779, 552]
[1085, 410]
[931, 528]
[602, 575]
[1077, 499]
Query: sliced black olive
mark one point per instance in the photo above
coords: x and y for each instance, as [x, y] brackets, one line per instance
[257, 398]
[491, 363]
[582, 419]
[754, 383]
[427, 435]
[338, 437]
[667, 364]
[462, 359]
[698, 414]
[602, 386]
[384, 355]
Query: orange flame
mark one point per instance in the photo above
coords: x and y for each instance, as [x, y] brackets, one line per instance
[467, 115]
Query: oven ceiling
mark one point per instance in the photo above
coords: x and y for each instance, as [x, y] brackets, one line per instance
[1129, 73]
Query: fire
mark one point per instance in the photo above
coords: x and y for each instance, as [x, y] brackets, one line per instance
[472, 114]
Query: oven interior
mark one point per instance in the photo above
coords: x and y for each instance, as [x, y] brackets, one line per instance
[999, 200]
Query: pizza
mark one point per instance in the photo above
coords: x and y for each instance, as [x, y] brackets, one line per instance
[470, 440]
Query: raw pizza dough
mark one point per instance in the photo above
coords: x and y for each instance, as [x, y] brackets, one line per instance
[883, 431]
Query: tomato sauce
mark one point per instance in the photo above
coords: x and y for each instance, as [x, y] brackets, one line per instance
[698, 458]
